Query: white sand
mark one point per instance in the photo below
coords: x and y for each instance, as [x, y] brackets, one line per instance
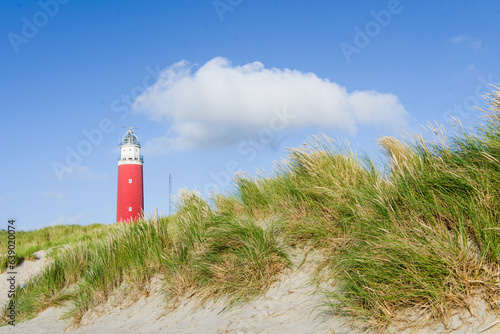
[288, 307]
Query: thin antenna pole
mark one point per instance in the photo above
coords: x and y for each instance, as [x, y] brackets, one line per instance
[169, 194]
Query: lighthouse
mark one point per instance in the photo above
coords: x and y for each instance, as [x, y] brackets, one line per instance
[130, 199]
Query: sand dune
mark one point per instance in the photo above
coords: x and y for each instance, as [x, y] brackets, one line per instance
[289, 306]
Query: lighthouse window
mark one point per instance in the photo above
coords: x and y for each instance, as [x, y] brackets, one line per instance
[129, 208]
[129, 180]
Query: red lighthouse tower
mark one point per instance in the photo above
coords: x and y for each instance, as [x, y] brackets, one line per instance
[130, 202]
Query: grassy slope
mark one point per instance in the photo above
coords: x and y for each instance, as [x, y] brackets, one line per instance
[27, 243]
[422, 234]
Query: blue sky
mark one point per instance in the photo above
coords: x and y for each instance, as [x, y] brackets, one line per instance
[218, 86]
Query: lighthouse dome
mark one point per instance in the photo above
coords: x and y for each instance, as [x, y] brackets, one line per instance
[130, 139]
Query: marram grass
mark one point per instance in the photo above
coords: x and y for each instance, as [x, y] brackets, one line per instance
[421, 233]
[28, 243]
[232, 259]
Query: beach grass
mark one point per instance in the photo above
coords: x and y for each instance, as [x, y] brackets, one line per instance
[30, 242]
[196, 249]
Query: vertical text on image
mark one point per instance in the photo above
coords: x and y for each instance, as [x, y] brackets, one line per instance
[11, 274]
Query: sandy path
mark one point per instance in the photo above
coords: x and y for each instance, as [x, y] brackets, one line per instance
[24, 272]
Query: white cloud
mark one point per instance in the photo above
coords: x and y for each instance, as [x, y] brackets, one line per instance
[57, 195]
[476, 44]
[471, 42]
[71, 220]
[219, 104]
[84, 172]
[6, 196]
[458, 39]
[471, 67]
